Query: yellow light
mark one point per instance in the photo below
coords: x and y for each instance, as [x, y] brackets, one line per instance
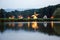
[35, 15]
[52, 24]
[28, 24]
[34, 25]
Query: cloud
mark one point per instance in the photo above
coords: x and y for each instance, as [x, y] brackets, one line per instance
[25, 4]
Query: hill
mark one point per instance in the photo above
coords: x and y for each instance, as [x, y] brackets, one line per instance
[41, 11]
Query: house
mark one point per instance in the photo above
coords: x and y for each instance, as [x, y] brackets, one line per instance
[35, 15]
[11, 17]
[28, 17]
[20, 17]
[52, 17]
[45, 17]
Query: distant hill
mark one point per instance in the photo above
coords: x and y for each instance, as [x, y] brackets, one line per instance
[9, 10]
[41, 11]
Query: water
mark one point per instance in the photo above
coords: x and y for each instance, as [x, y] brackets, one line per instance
[30, 30]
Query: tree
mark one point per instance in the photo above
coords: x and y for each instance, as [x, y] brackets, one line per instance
[2, 13]
[56, 14]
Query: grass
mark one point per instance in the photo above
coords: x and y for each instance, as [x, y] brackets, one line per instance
[25, 19]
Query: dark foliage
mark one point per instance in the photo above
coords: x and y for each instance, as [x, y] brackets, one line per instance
[42, 11]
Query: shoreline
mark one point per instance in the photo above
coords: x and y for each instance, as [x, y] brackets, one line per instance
[27, 20]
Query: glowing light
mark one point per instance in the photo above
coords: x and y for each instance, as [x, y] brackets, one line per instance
[9, 17]
[52, 17]
[20, 17]
[12, 17]
[34, 25]
[28, 24]
[35, 15]
[52, 24]
[28, 17]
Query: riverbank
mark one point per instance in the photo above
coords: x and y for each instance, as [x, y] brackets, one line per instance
[25, 19]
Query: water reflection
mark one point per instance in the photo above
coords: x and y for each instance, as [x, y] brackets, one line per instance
[34, 25]
[51, 28]
[20, 24]
[1, 26]
[11, 24]
[52, 24]
[28, 24]
[56, 27]
[45, 24]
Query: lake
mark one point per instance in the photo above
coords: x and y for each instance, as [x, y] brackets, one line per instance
[30, 30]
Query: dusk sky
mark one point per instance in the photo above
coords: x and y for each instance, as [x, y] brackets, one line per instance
[26, 4]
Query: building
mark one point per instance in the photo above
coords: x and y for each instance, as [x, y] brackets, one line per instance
[52, 17]
[35, 15]
[20, 17]
[45, 17]
[11, 17]
[28, 17]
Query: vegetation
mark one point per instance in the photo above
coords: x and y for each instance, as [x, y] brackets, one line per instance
[43, 11]
[25, 19]
[49, 11]
[56, 14]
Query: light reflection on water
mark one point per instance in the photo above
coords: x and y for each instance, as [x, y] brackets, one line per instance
[30, 30]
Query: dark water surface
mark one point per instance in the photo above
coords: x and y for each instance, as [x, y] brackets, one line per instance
[30, 30]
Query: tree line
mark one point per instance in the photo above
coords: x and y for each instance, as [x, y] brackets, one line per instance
[41, 11]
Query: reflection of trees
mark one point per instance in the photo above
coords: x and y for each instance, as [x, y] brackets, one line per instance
[42, 28]
[46, 30]
[57, 28]
[32, 26]
[2, 26]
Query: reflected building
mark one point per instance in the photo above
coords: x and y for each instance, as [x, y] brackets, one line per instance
[52, 28]
[52, 24]
[20, 24]
[28, 17]
[11, 24]
[28, 24]
[34, 25]
[45, 24]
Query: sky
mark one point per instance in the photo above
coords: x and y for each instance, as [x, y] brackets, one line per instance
[26, 4]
